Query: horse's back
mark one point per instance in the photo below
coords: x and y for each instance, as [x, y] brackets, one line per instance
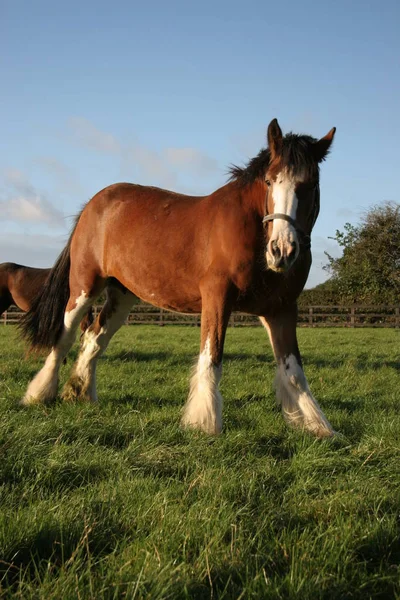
[151, 240]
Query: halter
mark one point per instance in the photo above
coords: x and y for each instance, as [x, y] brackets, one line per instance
[305, 240]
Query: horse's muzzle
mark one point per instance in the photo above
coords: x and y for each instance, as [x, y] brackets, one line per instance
[280, 258]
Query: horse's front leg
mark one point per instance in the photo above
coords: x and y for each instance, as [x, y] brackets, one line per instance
[299, 407]
[203, 409]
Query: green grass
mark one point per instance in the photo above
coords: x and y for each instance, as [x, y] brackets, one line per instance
[115, 500]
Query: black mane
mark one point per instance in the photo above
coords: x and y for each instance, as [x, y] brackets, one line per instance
[296, 154]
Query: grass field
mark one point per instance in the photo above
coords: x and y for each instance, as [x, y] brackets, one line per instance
[115, 500]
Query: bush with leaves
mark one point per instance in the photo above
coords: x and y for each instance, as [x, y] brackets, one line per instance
[369, 269]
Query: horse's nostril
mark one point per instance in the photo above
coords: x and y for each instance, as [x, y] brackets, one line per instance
[293, 248]
[276, 253]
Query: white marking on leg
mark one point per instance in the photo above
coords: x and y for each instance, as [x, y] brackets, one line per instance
[94, 345]
[265, 324]
[203, 409]
[299, 407]
[70, 316]
[85, 366]
[43, 387]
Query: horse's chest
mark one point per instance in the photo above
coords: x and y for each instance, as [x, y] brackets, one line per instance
[264, 291]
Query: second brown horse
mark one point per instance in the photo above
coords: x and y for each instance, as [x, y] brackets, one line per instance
[20, 284]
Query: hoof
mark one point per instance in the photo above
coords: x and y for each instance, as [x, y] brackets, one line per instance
[75, 390]
[211, 427]
[318, 430]
[28, 400]
[36, 395]
[323, 433]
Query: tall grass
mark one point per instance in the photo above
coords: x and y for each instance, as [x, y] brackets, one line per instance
[115, 500]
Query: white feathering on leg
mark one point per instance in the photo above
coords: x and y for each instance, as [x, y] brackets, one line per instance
[43, 387]
[82, 382]
[299, 407]
[203, 409]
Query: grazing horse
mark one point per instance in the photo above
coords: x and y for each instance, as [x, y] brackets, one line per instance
[20, 284]
[245, 247]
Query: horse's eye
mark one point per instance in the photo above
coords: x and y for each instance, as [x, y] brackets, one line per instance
[268, 182]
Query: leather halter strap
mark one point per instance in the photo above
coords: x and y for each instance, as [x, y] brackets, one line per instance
[305, 240]
[280, 216]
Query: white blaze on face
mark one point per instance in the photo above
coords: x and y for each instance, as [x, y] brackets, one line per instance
[283, 192]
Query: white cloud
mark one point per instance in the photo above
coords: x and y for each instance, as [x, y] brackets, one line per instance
[31, 250]
[19, 182]
[192, 160]
[86, 134]
[21, 202]
[150, 165]
[162, 167]
[35, 209]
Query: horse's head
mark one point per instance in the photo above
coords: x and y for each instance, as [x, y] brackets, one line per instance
[292, 193]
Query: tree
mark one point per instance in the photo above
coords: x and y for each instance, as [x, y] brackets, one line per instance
[369, 268]
[323, 294]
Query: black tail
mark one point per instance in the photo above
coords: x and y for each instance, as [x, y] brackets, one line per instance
[43, 324]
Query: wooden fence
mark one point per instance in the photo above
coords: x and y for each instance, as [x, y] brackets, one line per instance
[311, 316]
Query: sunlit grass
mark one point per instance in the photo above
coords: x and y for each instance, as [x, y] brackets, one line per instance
[116, 500]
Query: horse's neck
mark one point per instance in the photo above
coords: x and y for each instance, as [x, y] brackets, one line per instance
[251, 197]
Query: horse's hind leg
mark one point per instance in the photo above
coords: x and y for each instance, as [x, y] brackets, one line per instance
[299, 407]
[43, 388]
[203, 409]
[82, 382]
[5, 301]
[87, 320]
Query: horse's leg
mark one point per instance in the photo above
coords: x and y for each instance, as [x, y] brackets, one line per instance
[5, 302]
[203, 409]
[5, 297]
[82, 382]
[87, 320]
[43, 388]
[299, 407]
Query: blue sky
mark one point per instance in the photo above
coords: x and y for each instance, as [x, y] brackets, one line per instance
[171, 93]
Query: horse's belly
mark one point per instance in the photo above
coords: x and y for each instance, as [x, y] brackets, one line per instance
[163, 288]
[188, 305]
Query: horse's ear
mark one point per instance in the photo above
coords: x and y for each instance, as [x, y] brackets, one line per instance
[321, 148]
[274, 136]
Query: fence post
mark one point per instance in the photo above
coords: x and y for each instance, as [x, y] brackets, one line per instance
[310, 316]
[397, 319]
[5, 317]
[161, 321]
[352, 317]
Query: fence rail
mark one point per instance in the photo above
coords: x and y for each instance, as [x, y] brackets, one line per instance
[310, 316]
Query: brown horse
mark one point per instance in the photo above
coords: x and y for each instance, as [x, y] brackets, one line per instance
[20, 284]
[244, 247]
